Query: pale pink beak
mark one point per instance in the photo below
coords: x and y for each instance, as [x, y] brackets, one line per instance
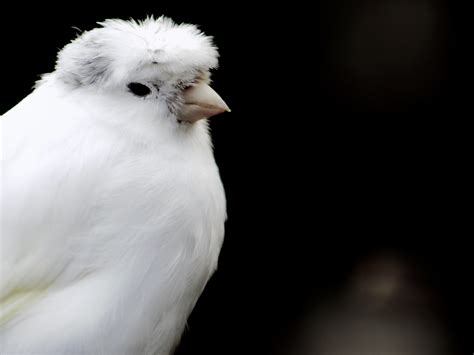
[201, 101]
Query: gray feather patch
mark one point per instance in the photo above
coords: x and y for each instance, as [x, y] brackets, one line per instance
[83, 61]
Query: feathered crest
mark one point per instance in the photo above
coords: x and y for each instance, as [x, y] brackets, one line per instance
[110, 54]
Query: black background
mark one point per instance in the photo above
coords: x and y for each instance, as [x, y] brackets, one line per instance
[324, 166]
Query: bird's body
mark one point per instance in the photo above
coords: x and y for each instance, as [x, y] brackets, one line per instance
[112, 215]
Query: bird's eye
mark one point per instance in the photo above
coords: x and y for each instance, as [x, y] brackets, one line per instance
[139, 89]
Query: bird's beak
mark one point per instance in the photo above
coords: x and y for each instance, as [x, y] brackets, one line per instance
[201, 101]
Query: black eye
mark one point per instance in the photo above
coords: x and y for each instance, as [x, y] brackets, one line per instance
[139, 89]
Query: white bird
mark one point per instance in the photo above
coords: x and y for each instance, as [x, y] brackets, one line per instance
[112, 208]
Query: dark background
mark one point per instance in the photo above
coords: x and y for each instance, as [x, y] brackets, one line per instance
[347, 144]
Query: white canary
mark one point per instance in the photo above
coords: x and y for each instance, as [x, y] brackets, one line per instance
[112, 208]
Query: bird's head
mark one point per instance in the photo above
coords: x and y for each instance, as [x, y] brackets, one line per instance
[155, 62]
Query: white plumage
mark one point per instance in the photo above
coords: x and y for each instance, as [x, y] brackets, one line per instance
[112, 208]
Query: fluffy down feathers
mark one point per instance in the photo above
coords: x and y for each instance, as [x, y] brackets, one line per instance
[112, 210]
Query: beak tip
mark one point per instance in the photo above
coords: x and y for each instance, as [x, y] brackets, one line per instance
[201, 101]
